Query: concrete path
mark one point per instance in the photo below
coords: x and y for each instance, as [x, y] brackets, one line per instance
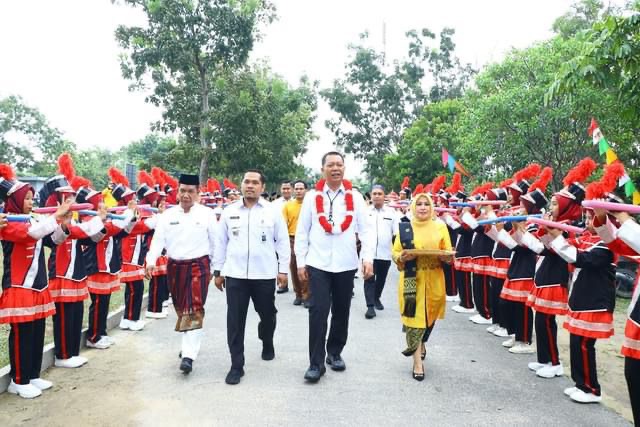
[470, 380]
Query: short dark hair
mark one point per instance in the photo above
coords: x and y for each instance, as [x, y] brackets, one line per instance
[301, 182]
[331, 153]
[286, 181]
[263, 178]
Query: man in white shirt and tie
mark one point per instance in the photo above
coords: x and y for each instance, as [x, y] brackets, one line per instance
[252, 251]
[186, 231]
[325, 248]
[385, 223]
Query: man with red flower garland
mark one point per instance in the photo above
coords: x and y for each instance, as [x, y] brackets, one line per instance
[325, 248]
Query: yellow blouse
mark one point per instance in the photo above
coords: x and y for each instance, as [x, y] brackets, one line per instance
[430, 285]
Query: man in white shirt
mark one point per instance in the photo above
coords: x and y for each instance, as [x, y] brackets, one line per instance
[385, 223]
[252, 250]
[325, 248]
[286, 194]
[186, 231]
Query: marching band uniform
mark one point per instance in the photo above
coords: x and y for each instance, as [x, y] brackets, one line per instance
[462, 260]
[103, 259]
[25, 301]
[591, 304]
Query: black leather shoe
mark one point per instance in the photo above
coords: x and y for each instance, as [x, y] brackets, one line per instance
[336, 362]
[268, 352]
[283, 290]
[297, 301]
[370, 314]
[314, 373]
[234, 375]
[306, 303]
[379, 305]
[186, 365]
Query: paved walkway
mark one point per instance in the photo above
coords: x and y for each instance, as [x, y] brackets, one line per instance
[470, 380]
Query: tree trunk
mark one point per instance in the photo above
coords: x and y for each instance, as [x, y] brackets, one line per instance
[204, 127]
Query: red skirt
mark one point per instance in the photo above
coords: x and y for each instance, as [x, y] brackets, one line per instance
[103, 283]
[631, 342]
[161, 266]
[483, 265]
[517, 290]
[131, 273]
[20, 305]
[499, 268]
[188, 282]
[66, 290]
[549, 299]
[463, 264]
[590, 324]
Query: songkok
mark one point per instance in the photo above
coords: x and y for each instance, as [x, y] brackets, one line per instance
[189, 179]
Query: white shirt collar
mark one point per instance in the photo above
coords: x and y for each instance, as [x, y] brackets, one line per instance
[327, 189]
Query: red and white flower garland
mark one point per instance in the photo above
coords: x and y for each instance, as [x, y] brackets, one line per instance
[322, 216]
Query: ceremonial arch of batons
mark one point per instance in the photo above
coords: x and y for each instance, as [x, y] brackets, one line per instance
[431, 208]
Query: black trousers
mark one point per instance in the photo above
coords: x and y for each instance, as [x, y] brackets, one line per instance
[547, 338]
[374, 285]
[67, 329]
[26, 342]
[98, 313]
[481, 297]
[518, 319]
[329, 292]
[239, 292]
[133, 293]
[632, 375]
[463, 283]
[583, 363]
[158, 293]
[450, 279]
[494, 299]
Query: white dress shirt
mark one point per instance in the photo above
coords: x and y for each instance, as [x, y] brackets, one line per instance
[385, 225]
[184, 235]
[335, 252]
[248, 240]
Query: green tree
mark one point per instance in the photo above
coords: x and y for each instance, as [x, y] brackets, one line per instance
[27, 140]
[376, 102]
[582, 15]
[419, 154]
[181, 51]
[93, 164]
[261, 122]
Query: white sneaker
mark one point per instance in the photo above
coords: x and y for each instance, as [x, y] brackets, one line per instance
[80, 359]
[137, 325]
[491, 329]
[153, 315]
[582, 397]
[479, 320]
[509, 343]
[569, 391]
[534, 366]
[550, 371]
[101, 344]
[41, 384]
[26, 391]
[165, 303]
[125, 323]
[522, 348]
[501, 332]
[68, 363]
[461, 309]
[109, 340]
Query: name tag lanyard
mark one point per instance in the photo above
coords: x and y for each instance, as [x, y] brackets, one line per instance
[330, 217]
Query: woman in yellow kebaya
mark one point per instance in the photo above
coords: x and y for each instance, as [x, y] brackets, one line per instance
[422, 297]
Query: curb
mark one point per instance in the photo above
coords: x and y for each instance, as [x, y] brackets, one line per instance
[49, 350]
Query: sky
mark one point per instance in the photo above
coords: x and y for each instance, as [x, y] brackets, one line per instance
[61, 56]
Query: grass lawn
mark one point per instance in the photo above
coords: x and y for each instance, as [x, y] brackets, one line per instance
[117, 301]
